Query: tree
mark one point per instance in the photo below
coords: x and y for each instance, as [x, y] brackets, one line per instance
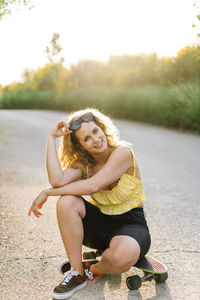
[50, 77]
[87, 73]
[187, 63]
[196, 23]
[6, 6]
[54, 50]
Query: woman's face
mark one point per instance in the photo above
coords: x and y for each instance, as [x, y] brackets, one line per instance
[91, 137]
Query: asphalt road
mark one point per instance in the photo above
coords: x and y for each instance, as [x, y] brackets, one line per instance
[30, 248]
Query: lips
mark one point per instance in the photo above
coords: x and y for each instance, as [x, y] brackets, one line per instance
[99, 144]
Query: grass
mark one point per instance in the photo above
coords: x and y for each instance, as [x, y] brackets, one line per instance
[174, 107]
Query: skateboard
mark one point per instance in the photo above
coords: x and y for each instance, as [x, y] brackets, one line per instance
[151, 267]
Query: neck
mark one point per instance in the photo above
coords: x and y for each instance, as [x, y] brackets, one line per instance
[101, 158]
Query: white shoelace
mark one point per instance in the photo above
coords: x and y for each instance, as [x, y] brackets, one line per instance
[88, 274]
[68, 276]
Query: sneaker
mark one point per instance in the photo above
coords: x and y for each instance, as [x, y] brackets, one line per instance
[72, 282]
[65, 266]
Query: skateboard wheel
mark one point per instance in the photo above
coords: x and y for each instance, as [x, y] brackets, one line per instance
[161, 277]
[133, 282]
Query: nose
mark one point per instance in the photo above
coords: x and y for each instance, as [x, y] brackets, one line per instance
[95, 139]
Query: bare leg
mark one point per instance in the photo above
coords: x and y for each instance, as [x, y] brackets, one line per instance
[123, 252]
[70, 212]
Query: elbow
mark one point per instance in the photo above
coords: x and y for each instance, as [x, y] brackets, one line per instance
[55, 183]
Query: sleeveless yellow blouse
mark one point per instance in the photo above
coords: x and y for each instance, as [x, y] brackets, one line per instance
[126, 195]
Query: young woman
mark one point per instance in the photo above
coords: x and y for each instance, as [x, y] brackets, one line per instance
[94, 162]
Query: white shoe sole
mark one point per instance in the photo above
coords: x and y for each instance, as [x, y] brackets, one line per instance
[68, 294]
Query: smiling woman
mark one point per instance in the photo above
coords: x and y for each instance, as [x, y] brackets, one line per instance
[98, 164]
[71, 149]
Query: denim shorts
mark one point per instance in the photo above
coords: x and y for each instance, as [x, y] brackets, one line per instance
[100, 228]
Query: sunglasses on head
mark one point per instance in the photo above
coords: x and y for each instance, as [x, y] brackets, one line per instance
[75, 125]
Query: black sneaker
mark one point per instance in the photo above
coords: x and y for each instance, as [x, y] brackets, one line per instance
[72, 282]
[65, 266]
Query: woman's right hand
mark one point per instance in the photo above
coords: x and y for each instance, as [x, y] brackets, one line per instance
[37, 204]
[61, 128]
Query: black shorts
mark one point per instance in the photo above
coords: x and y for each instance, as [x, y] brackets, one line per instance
[99, 228]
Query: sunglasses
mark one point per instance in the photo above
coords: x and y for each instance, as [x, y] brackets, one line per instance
[75, 125]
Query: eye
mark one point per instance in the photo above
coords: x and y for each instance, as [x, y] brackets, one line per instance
[95, 130]
[86, 138]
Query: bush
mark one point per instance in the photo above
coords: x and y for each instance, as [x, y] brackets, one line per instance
[176, 106]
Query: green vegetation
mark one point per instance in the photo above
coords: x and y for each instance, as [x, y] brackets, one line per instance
[6, 6]
[176, 106]
[141, 87]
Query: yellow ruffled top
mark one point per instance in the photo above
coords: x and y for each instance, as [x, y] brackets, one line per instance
[126, 195]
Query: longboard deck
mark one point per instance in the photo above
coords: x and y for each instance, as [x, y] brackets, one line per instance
[151, 265]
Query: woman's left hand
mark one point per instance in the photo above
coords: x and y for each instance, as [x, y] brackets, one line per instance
[37, 204]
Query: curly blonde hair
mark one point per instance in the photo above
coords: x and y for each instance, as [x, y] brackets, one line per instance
[71, 153]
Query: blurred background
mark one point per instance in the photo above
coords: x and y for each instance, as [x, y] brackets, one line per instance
[133, 59]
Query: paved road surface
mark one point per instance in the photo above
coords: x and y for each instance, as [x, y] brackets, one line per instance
[31, 248]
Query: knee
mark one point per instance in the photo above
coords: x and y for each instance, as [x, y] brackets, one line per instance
[65, 204]
[125, 252]
[125, 257]
[122, 261]
[69, 204]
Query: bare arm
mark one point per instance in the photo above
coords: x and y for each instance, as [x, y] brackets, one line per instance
[117, 164]
[54, 170]
[57, 176]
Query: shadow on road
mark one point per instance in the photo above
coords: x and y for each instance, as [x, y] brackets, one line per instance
[162, 291]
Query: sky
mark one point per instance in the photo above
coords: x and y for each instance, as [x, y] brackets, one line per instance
[93, 29]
